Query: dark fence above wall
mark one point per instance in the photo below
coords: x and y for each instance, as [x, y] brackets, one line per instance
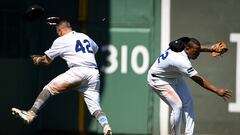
[11, 31]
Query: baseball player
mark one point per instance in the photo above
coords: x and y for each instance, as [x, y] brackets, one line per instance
[165, 77]
[78, 50]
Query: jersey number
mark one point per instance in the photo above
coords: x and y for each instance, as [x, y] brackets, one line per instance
[163, 56]
[79, 46]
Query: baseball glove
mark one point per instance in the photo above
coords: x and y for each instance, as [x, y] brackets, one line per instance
[219, 48]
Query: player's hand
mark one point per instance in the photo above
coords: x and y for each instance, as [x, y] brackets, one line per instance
[219, 48]
[225, 94]
[35, 59]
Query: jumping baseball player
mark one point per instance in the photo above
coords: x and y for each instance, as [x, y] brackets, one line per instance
[78, 50]
[165, 77]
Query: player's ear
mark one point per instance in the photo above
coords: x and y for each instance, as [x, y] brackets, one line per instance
[187, 48]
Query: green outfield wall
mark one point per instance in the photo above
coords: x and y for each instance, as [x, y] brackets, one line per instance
[132, 45]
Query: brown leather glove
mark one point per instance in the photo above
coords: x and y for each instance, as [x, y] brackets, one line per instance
[219, 48]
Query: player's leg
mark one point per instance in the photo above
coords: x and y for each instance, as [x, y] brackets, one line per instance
[28, 116]
[101, 117]
[43, 96]
[169, 96]
[92, 100]
[59, 84]
[188, 109]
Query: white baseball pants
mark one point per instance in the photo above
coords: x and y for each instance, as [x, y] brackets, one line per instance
[85, 80]
[179, 99]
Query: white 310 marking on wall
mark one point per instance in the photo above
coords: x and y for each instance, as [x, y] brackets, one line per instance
[235, 107]
[112, 59]
[138, 50]
[124, 56]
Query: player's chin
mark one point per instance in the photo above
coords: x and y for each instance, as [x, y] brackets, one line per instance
[194, 57]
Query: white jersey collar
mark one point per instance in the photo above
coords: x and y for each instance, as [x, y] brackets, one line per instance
[69, 33]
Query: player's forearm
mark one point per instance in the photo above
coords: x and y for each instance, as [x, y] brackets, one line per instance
[206, 49]
[205, 83]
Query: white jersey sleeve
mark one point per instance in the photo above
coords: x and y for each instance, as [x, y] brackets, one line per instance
[55, 50]
[185, 68]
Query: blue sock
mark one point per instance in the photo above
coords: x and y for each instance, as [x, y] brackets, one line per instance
[101, 117]
[102, 120]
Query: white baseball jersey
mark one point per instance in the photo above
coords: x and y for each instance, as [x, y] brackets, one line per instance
[170, 66]
[77, 49]
[165, 78]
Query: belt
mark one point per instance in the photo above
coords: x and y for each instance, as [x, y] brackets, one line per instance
[153, 75]
[83, 67]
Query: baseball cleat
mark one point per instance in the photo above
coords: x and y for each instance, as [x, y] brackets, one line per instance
[107, 130]
[26, 116]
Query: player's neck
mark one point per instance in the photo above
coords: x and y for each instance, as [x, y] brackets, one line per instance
[66, 32]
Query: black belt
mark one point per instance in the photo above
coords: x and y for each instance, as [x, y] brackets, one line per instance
[153, 75]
